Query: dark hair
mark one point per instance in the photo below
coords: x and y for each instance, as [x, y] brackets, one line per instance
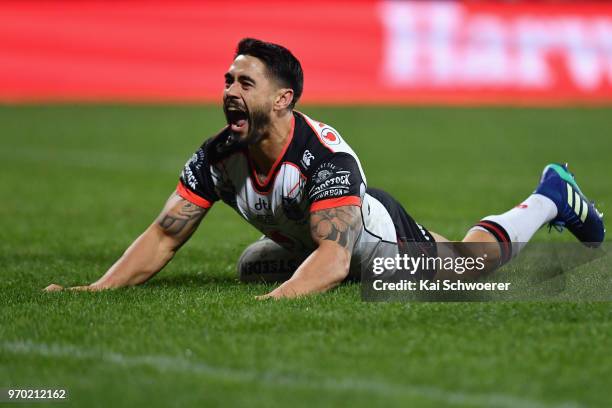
[279, 61]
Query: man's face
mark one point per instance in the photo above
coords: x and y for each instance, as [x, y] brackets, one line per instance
[248, 98]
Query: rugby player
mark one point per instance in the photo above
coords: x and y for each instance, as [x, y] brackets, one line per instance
[298, 181]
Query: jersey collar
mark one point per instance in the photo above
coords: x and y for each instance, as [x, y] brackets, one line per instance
[265, 185]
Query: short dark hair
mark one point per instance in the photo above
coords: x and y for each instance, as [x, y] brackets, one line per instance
[279, 61]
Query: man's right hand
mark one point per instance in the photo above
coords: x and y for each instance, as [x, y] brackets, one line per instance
[150, 252]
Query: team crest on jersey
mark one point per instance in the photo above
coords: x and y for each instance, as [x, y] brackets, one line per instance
[330, 136]
[322, 176]
[292, 209]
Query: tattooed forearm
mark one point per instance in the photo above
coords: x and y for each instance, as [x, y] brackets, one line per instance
[182, 217]
[341, 224]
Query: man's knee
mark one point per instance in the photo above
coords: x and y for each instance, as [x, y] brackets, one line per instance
[266, 261]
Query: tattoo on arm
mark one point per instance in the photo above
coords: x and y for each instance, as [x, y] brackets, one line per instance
[181, 217]
[340, 224]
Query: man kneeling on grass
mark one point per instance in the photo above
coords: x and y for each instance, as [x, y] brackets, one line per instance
[297, 181]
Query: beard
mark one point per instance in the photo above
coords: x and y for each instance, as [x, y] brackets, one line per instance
[259, 121]
[257, 118]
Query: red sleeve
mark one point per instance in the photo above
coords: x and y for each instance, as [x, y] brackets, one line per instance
[335, 181]
[335, 202]
[191, 196]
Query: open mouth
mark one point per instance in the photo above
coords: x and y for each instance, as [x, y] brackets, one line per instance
[237, 119]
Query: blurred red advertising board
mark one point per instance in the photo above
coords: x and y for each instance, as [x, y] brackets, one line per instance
[352, 51]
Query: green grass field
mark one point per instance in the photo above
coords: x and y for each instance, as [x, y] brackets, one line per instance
[78, 184]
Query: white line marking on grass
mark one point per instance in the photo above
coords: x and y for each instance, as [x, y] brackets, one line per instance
[163, 363]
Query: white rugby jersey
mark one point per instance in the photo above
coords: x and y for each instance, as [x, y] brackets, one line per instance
[316, 170]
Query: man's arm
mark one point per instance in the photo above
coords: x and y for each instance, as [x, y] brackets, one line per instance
[335, 230]
[153, 249]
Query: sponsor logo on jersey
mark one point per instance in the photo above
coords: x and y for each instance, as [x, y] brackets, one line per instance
[307, 158]
[194, 161]
[189, 178]
[262, 205]
[330, 136]
[336, 184]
